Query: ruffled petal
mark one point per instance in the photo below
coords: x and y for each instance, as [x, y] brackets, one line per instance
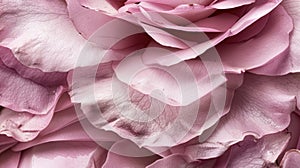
[254, 111]
[257, 12]
[23, 126]
[265, 46]
[146, 118]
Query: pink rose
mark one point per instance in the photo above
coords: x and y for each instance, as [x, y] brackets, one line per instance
[150, 83]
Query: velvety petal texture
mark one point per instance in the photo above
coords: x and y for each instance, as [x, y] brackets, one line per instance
[149, 83]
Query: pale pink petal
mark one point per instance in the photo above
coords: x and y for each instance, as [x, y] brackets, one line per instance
[86, 21]
[239, 57]
[63, 154]
[182, 35]
[291, 159]
[40, 35]
[227, 4]
[181, 84]
[65, 126]
[50, 79]
[144, 119]
[175, 160]
[292, 62]
[23, 126]
[24, 89]
[250, 31]
[262, 105]
[258, 153]
[116, 160]
[257, 12]
[172, 2]
[192, 12]
[293, 129]
[99, 5]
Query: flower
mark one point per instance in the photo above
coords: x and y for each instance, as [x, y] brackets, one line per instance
[147, 83]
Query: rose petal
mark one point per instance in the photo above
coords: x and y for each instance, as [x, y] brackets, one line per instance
[142, 118]
[65, 126]
[255, 103]
[181, 84]
[24, 24]
[115, 160]
[228, 4]
[175, 160]
[258, 153]
[63, 154]
[99, 5]
[20, 93]
[86, 21]
[10, 158]
[277, 29]
[249, 18]
[23, 126]
[6, 143]
[292, 62]
[291, 159]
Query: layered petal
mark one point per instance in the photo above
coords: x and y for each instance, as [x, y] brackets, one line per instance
[239, 57]
[24, 88]
[291, 159]
[258, 153]
[23, 27]
[254, 111]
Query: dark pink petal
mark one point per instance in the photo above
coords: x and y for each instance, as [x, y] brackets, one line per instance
[6, 143]
[116, 3]
[239, 57]
[10, 159]
[262, 105]
[291, 159]
[23, 27]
